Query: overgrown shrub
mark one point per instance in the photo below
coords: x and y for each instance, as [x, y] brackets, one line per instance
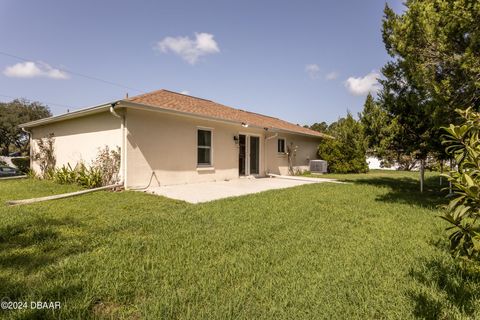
[65, 175]
[103, 171]
[463, 212]
[291, 154]
[22, 164]
[45, 156]
[89, 177]
[108, 163]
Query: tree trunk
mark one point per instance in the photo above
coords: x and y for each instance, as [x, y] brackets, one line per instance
[422, 174]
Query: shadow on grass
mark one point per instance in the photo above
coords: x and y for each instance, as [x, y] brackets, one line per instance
[28, 251]
[406, 190]
[445, 285]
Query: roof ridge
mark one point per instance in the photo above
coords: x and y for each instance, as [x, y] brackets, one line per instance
[186, 95]
[259, 114]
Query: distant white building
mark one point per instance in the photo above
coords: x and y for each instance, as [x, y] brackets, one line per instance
[375, 163]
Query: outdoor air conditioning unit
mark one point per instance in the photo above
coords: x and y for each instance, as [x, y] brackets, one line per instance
[318, 166]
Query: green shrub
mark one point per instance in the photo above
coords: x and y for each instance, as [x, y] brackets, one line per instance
[89, 177]
[108, 163]
[65, 175]
[346, 153]
[103, 171]
[22, 163]
[463, 211]
[86, 177]
[45, 156]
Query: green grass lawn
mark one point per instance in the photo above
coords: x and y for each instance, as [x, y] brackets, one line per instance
[372, 249]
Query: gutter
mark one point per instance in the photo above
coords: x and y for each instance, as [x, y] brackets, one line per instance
[30, 148]
[65, 116]
[123, 151]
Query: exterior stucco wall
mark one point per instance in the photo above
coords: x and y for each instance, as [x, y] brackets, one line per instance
[79, 140]
[166, 145]
[277, 163]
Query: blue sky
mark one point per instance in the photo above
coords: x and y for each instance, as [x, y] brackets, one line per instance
[302, 61]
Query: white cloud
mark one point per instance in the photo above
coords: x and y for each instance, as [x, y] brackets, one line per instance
[189, 49]
[313, 70]
[332, 75]
[32, 69]
[185, 92]
[362, 85]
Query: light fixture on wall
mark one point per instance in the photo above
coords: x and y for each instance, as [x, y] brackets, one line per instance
[245, 125]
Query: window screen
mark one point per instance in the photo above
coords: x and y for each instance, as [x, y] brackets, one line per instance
[204, 147]
[281, 146]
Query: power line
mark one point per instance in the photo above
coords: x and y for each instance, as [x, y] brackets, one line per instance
[75, 73]
[43, 102]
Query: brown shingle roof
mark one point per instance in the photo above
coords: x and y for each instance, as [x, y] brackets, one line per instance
[188, 104]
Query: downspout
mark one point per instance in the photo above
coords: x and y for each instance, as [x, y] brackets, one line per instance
[266, 151]
[123, 151]
[30, 148]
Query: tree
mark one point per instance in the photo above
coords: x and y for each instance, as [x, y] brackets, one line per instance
[439, 41]
[346, 152]
[380, 131]
[319, 126]
[13, 114]
[373, 119]
[435, 69]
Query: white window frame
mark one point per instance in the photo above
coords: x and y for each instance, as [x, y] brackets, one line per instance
[284, 145]
[204, 165]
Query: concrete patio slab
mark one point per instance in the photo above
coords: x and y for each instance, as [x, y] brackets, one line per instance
[209, 191]
[312, 179]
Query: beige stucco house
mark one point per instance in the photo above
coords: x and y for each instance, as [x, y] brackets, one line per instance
[172, 138]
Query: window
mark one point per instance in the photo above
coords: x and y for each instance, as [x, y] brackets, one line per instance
[204, 147]
[281, 145]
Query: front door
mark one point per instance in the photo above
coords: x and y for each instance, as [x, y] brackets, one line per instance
[242, 155]
[254, 155]
[248, 155]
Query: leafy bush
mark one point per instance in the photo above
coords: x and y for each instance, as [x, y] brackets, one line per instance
[108, 163]
[46, 156]
[3, 163]
[463, 211]
[65, 175]
[89, 177]
[103, 171]
[86, 177]
[23, 163]
[345, 153]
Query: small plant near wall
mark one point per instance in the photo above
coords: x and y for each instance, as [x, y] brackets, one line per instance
[108, 163]
[45, 156]
[103, 171]
[291, 154]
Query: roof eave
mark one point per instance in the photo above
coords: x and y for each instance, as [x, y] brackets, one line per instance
[68, 116]
[321, 136]
[141, 106]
